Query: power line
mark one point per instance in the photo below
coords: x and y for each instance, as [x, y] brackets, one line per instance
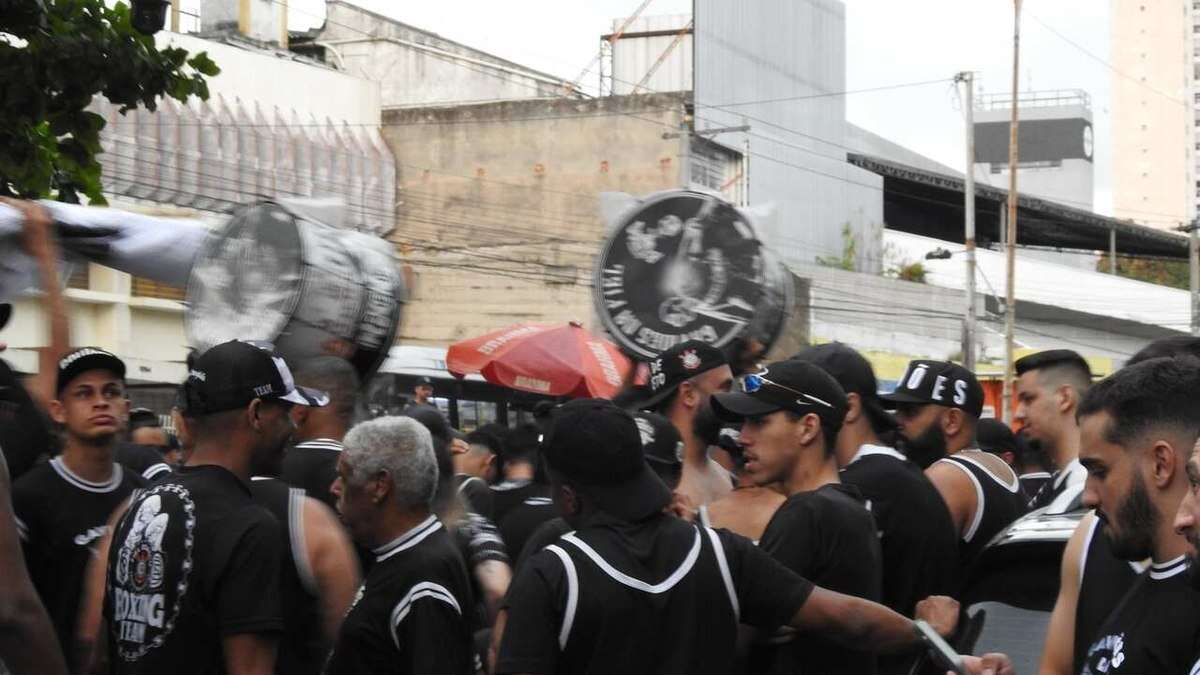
[1106, 64]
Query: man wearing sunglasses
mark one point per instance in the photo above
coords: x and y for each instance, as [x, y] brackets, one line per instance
[791, 413]
[938, 406]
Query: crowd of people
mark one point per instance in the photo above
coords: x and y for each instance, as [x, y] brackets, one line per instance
[782, 518]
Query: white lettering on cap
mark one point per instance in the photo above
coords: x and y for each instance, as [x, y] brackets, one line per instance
[75, 356]
[960, 392]
[198, 374]
[939, 385]
[915, 376]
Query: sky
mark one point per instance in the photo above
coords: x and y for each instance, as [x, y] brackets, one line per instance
[887, 43]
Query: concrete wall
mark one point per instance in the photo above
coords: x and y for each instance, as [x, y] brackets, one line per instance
[414, 67]
[772, 64]
[499, 216]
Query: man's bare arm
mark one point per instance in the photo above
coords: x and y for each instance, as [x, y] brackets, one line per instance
[493, 577]
[956, 490]
[38, 241]
[860, 623]
[333, 563]
[27, 640]
[249, 654]
[1058, 653]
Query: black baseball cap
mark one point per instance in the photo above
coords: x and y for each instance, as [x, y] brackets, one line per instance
[678, 364]
[661, 441]
[597, 447]
[798, 386]
[995, 436]
[424, 380]
[234, 373]
[79, 361]
[938, 383]
[1051, 357]
[853, 373]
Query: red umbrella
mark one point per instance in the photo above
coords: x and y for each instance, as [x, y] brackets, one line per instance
[544, 358]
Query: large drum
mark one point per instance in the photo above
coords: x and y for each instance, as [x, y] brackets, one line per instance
[272, 273]
[688, 265]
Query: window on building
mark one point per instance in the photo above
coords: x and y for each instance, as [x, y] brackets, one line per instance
[148, 288]
[81, 276]
[716, 167]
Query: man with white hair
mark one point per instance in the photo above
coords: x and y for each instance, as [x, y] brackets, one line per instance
[408, 617]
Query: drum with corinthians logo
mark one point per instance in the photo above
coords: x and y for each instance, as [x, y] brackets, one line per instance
[276, 273]
[688, 265]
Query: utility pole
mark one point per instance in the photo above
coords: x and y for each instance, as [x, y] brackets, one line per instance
[968, 78]
[1010, 301]
[1194, 272]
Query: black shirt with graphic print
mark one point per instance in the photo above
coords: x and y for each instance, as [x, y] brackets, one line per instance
[410, 615]
[1154, 629]
[660, 596]
[60, 518]
[827, 536]
[193, 560]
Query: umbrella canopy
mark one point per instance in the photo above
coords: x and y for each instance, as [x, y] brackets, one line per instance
[543, 358]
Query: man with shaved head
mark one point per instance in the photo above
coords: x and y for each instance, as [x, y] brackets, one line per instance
[1049, 387]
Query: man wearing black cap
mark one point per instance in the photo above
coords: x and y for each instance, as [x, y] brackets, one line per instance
[422, 393]
[1050, 385]
[635, 591]
[682, 381]
[791, 413]
[916, 535]
[62, 506]
[938, 406]
[193, 568]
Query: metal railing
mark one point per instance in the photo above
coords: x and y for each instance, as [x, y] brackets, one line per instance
[1035, 99]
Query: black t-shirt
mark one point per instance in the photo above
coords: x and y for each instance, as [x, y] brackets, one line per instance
[661, 596]
[1103, 581]
[510, 493]
[312, 467]
[193, 560]
[142, 460]
[916, 532]
[1154, 630]
[302, 647]
[547, 533]
[1032, 485]
[1071, 475]
[525, 518]
[827, 536]
[60, 517]
[476, 493]
[410, 614]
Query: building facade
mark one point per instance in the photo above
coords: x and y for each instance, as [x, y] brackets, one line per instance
[259, 135]
[1153, 111]
[503, 204]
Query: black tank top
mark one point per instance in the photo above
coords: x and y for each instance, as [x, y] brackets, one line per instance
[1103, 581]
[699, 595]
[998, 504]
[302, 647]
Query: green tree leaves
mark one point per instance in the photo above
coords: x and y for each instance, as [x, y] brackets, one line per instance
[55, 56]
